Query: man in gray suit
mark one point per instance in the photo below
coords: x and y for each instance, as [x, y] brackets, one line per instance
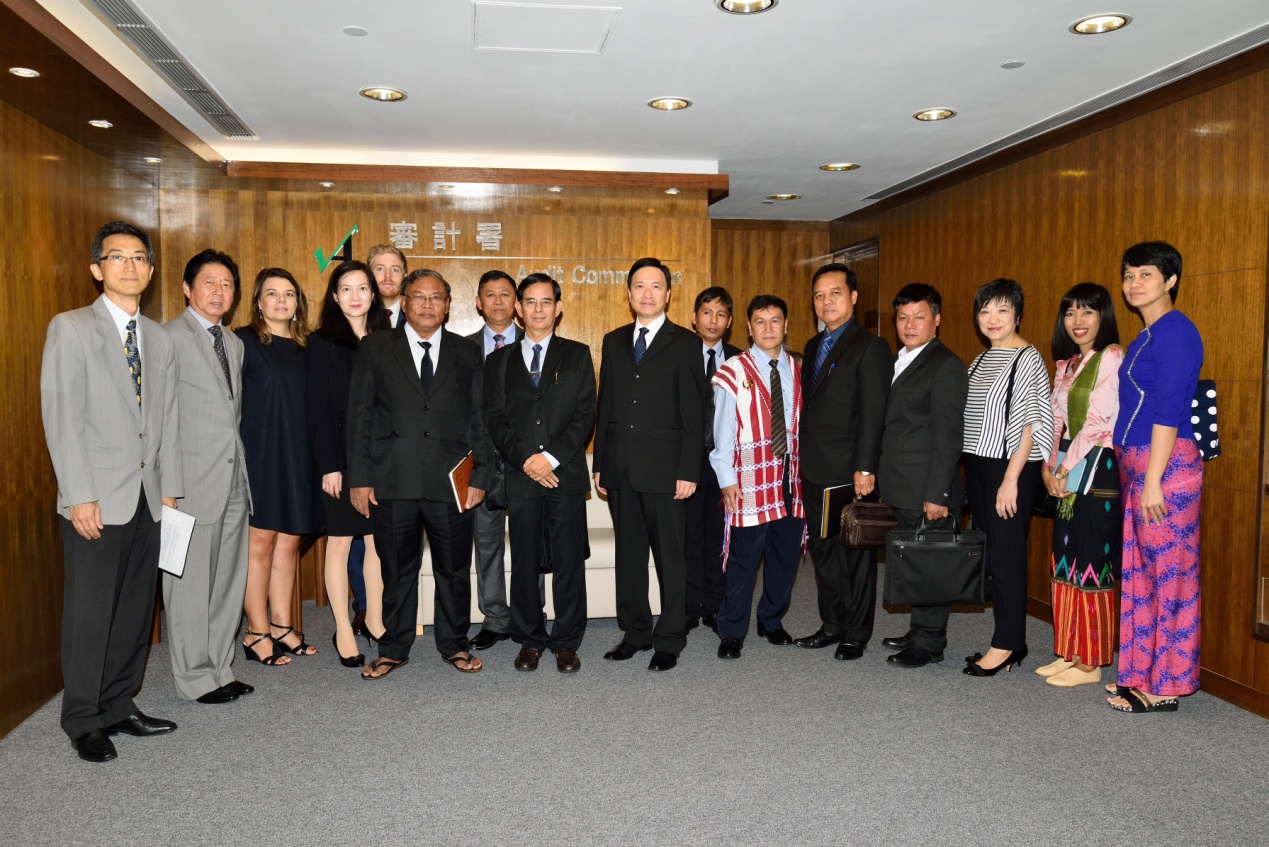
[114, 442]
[204, 605]
[919, 473]
[495, 300]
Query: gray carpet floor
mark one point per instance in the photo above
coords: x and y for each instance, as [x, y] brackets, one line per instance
[784, 746]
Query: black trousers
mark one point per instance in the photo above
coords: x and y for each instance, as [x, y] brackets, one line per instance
[703, 545]
[928, 626]
[846, 579]
[1006, 549]
[776, 545]
[107, 610]
[644, 522]
[399, 526]
[558, 523]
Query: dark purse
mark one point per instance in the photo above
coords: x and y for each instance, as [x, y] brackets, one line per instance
[865, 524]
[936, 567]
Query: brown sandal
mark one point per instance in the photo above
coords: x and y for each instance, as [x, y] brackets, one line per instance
[389, 665]
[469, 659]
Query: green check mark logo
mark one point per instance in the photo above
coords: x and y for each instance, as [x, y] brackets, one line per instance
[323, 261]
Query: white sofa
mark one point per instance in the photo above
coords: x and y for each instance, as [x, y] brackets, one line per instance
[601, 599]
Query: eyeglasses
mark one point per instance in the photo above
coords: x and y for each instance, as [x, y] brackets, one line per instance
[434, 299]
[118, 259]
[545, 303]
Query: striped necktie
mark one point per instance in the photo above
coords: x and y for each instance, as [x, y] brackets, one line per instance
[779, 432]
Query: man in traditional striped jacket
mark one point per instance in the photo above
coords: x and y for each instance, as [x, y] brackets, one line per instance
[758, 402]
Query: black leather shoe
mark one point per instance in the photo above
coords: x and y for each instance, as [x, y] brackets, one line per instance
[218, 695]
[139, 723]
[487, 638]
[662, 661]
[710, 619]
[242, 689]
[625, 650]
[778, 637]
[730, 648]
[817, 639]
[95, 746]
[849, 650]
[903, 642]
[914, 657]
[527, 659]
[691, 623]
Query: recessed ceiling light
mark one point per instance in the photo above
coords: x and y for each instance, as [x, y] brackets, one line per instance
[669, 104]
[768, 202]
[355, 31]
[25, 73]
[1098, 24]
[327, 184]
[153, 160]
[101, 124]
[840, 166]
[555, 189]
[774, 197]
[382, 93]
[745, 7]
[671, 191]
[1009, 66]
[936, 114]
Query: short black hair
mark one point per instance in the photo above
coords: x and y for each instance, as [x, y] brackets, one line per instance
[647, 262]
[1086, 295]
[836, 268]
[210, 257]
[491, 276]
[122, 228]
[415, 276]
[333, 323]
[919, 292]
[709, 295]
[1004, 290]
[536, 279]
[766, 301]
[1162, 255]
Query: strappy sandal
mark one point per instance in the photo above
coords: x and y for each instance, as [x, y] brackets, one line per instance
[469, 659]
[1138, 703]
[253, 656]
[301, 649]
[370, 673]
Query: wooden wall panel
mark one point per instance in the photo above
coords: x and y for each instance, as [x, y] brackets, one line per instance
[55, 195]
[1195, 173]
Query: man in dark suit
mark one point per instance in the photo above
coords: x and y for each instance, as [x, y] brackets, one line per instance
[649, 445]
[495, 300]
[415, 410]
[919, 473]
[116, 452]
[703, 528]
[845, 379]
[540, 407]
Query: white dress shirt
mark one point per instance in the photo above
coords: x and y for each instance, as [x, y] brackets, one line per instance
[417, 351]
[905, 358]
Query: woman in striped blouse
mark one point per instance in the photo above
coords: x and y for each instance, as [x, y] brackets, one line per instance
[1008, 428]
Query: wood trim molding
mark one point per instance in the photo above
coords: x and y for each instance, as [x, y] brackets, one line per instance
[1242, 696]
[745, 225]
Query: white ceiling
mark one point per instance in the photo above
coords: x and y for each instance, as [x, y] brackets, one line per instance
[776, 95]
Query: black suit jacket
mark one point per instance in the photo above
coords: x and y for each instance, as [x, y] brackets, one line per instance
[329, 375]
[403, 442]
[651, 417]
[844, 411]
[556, 416]
[925, 424]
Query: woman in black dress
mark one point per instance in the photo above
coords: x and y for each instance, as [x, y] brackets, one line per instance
[351, 308]
[279, 468]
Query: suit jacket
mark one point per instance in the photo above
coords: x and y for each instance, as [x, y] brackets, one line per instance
[403, 442]
[104, 447]
[556, 416]
[844, 411]
[211, 443]
[925, 422]
[329, 375]
[651, 416]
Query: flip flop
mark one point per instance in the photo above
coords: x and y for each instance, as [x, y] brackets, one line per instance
[1138, 703]
[468, 659]
[369, 674]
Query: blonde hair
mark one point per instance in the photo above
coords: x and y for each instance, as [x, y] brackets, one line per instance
[380, 249]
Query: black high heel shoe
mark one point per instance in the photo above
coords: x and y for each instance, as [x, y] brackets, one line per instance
[301, 649]
[1014, 658]
[348, 661]
[252, 656]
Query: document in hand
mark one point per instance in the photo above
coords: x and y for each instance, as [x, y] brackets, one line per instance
[175, 531]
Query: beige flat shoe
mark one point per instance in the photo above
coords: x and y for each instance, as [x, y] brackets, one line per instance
[1053, 667]
[1071, 677]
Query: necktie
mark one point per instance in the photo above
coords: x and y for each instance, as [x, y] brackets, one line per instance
[535, 369]
[711, 367]
[218, 343]
[133, 353]
[641, 344]
[499, 341]
[820, 356]
[425, 367]
[779, 433]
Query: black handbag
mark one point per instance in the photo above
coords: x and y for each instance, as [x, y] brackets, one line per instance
[936, 567]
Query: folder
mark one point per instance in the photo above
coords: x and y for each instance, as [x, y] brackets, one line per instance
[460, 481]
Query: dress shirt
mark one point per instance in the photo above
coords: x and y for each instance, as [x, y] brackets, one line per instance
[719, 355]
[526, 350]
[417, 352]
[652, 329]
[121, 323]
[207, 325]
[487, 336]
[905, 358]
[722, 458]
[394, 312]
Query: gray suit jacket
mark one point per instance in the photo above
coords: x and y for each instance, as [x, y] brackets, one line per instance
[211, 446]
[104, 448]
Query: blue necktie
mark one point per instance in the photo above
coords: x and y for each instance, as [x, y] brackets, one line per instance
[820, 356]
[641, 344]
[535, 369]
[133, 354]
[425, 367]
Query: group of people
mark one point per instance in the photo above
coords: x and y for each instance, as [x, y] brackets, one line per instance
[382, 428]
